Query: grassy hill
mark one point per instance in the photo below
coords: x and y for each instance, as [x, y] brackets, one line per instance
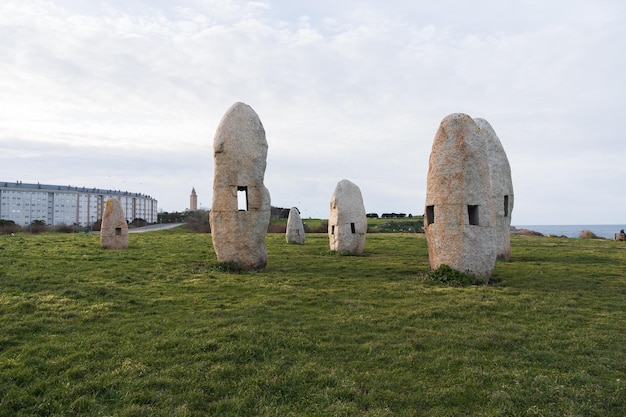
[160, 330]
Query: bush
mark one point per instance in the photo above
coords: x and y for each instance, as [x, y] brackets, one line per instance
[36, 227]
[198, 221]
[138, 222]
[64, 228]
[8, 226]
[277, 228]
[446, 275]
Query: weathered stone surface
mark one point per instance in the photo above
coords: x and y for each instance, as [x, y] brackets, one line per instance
[240, 212]
[501, 188]
[113, 229]
[347, 223]
[295, 227]
[459, 215]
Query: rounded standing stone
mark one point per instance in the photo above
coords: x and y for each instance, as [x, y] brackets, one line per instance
[240, 212]
[113, 229]
[295, 227]
[459, 213]
[347, 223]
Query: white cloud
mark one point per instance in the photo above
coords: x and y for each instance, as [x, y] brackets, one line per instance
[345, 90]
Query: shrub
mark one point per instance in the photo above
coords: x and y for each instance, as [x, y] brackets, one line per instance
[8, 226]
[446, 275]
[138, 222]
[277, 228]
[64, 228]
[37, 226]
[198, 221]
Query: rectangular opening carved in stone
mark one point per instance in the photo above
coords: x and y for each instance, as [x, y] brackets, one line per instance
[242, 198]
[472, 213]
[332, 229]
[118, 231]
[506, 206]
[352, 228]
[430, 215]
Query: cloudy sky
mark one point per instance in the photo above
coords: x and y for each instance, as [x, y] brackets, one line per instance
[127, 95]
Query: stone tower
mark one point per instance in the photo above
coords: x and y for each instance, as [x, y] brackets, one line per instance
[459, 213]
[240, 212]
[114, 229]
[347, 223]
[501, 189]
[193, 200]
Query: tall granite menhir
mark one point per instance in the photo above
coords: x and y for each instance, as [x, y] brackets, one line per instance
[347, 223]
[240, 213]
[459, 213]
[113, 229]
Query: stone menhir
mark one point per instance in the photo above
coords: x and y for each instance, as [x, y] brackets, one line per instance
[501, 189]
[347, 223]
[459, 214]
[113, 229]
[295, 227]
[240, 212]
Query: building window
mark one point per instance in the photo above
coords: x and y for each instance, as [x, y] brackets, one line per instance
[472, 213]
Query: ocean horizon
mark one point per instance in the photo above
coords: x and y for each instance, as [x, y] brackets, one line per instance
[573, 230]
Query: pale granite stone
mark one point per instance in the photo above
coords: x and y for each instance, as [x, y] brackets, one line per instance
[501, 188]
[240, 212]
[347, 223]
[295, 227]
[459, 215]
[113, 229]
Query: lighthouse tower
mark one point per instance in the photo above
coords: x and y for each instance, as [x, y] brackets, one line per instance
[193, 200]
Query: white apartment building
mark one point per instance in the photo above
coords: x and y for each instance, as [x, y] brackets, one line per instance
[58, 205]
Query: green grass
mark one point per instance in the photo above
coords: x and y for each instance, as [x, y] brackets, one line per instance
[161, 330]
[403, 225]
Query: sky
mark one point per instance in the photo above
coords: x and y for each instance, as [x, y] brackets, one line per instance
[128, 94]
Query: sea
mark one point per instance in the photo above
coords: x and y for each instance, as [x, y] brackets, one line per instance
[601, 230]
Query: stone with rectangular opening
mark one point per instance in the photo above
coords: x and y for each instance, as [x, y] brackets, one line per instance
[430, 215]
[352, 228]
[472, 213]
[242, 198]
[506, 206]
[332, 229]
[118, 231]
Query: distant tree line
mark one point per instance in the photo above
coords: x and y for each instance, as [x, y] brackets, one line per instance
[8, 227]
[389, 215]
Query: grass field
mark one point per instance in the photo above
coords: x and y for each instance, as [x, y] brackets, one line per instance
[160, 330]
